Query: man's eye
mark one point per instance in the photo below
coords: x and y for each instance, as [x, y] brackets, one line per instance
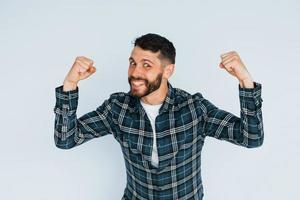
[146, 65]
[132, 63]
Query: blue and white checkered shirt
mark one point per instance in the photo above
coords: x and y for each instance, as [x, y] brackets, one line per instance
[183, 122]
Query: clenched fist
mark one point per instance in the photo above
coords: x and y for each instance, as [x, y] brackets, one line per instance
[233, 64]
[81, 69]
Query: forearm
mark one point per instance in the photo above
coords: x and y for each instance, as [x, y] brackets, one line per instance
[70, 131]
[65, 118]
[251, 116]
[246, 130]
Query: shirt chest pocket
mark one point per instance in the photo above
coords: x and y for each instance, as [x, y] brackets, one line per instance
[137, 136]
[138, 143]
[178, 137]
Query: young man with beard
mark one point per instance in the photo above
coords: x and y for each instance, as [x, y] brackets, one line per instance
[161, 129]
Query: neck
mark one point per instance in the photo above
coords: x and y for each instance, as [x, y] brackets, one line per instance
[158, 96]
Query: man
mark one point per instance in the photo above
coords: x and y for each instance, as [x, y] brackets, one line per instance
[161, 129]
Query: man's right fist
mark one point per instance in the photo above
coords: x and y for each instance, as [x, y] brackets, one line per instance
[81, 69]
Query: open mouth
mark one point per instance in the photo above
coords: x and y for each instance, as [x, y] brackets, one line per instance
[137, 83]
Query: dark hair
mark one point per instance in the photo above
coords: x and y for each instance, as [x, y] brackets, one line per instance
[155, 43]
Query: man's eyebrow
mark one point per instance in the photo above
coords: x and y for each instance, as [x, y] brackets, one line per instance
[144, 59]
[147, 60]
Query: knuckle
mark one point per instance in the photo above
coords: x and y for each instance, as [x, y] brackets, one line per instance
[90, 61]
[80, 63]
[77, 62]
[84, 65]
[234, 59]
[78, 57]
[235, 62]
[83, 69]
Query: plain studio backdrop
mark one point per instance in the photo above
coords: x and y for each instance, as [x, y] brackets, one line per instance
[39, 41]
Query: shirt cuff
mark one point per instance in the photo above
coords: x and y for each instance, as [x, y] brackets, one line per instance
[67, 99]
[251, 94]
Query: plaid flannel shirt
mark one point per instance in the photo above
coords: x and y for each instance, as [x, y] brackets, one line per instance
[183, 122]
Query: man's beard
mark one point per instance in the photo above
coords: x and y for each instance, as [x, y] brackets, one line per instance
[150, 86]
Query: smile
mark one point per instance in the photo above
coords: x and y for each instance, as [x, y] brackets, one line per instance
[137, 83]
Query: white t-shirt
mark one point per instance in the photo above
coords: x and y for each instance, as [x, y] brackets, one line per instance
[152, 112]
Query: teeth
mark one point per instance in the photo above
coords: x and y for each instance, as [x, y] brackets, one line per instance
[137, 83]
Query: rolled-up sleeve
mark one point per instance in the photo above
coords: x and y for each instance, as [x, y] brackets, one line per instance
[246, 130]
[70, 131]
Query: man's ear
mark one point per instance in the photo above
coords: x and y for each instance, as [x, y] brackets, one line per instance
[168, 70]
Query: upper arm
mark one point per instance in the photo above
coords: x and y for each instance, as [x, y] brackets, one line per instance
[246, 130]
[71, 131]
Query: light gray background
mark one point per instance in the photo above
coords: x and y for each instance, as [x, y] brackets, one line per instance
[40, 40]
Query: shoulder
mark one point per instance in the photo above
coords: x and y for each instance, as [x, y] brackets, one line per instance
[119, 97]
[122, 101]
[182, 96]
[196, 100]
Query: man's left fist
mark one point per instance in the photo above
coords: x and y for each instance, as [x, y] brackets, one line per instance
[232, 62]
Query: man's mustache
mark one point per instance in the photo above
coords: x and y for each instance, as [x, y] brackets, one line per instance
[131, 78]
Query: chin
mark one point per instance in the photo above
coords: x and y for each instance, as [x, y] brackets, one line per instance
[139, 94]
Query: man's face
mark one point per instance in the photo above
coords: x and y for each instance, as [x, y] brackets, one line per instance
[145, 72]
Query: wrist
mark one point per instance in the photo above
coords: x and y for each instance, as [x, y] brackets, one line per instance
[247, 83]
[69, 85]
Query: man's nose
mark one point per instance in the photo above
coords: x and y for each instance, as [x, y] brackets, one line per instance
[137, 71]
